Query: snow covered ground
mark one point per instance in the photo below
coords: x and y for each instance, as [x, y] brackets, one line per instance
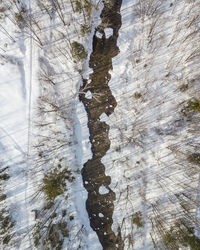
[153, 133]
[150, 136]
[17, 95]
[32, 57]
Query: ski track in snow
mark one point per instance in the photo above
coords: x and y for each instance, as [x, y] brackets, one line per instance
[15, 130]
[29, 129]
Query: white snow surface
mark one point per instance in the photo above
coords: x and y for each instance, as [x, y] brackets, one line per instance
[150, 137]
[24, 63]
[108, 32]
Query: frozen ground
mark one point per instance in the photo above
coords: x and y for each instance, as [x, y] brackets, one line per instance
[24, 68]
[150, 136]
[43, 123]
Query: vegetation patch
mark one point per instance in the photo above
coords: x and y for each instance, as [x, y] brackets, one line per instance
[54, 183]
[184, 87]
[85, 29]
[2, 9]
[87, 4]
[190, 240]
[194, 105]
[78, 6]
[4, 177]
[83, 6]
[194, 158]
[71, 217]
[137, 219]
[7, 239]
[2, 197]
[53, 237]
[20, 16]
[137, 60]
[2, 12]
[5, 225]
[180, 235]
[137, 95]
[78, 51]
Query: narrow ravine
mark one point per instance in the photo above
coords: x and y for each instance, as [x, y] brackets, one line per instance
[100, 201]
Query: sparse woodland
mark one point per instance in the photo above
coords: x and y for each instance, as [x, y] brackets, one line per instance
[154, 157]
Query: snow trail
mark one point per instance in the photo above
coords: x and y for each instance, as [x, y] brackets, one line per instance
[29, 125]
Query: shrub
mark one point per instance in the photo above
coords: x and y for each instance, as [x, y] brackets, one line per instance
[64, 212]
[181, 235]
[6, 222]
[2, 197]
[137, 219]
[54, 183]
[83, 5]
[71, 217]
[78, 6]
[87, 6]
[7, 239]
[85, 29]
[2, 9]
[137, 95]
[184, 87]
[191, 241]
[169, 239]
[19, 17]
[194, 105]
[137, 60]
[194, 158]
[4, 177]
[78, 51]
